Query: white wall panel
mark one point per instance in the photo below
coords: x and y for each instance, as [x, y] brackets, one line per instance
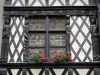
[57, 2]
[80, 36]
[37, 2]
[16, 39]
[81, 42]
[79, 2]
[18, 3]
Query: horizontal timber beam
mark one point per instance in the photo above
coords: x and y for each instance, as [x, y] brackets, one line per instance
[29, 8]
[53, 10]
[79, 65]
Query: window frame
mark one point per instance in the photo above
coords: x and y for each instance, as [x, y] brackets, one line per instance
[48, 31]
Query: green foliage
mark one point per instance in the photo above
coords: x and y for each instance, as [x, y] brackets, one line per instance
[61, 57]
[56, 57]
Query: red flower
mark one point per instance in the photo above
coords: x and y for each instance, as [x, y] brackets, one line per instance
[42, 55]
[62, 58]
[56, 56]
[45, 59]
[48, 60]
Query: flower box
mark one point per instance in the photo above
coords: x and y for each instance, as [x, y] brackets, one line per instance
[55, 58]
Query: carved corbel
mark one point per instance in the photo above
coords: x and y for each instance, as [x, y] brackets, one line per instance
[6, 27]
[95, 37]
[93, 28]
[68, 23]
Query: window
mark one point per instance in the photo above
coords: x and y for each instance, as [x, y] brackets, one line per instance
[46, 34]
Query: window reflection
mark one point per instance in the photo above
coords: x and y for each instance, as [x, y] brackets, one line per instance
[57, 23]
[36, 24]
[36, 39]
[57, 39]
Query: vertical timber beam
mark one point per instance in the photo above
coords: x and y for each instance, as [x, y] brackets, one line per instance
[47, 2]
[95, 38]
[47, 37]
[26, 2]
[98, 21]
[70, 70]
[95, 41]
[97, 70]
[67, 3]
[47, 42]
[25, 53]
[5, 38]
[5, 43]
[68, 32]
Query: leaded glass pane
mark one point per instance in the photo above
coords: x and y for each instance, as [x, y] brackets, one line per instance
[60, 50]
[35, 50]
[57, 39]
[36, 39]
[57, 23]
[36, 23]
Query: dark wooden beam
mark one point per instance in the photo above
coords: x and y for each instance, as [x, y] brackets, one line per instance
[98, 22]
[49, 8]
[53, 13]
[78, 65]
[5, 38]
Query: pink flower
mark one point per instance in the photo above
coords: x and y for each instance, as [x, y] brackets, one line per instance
[62, 58]
[42, 55]
[72, 59]
[56, 56]
[48, 60]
